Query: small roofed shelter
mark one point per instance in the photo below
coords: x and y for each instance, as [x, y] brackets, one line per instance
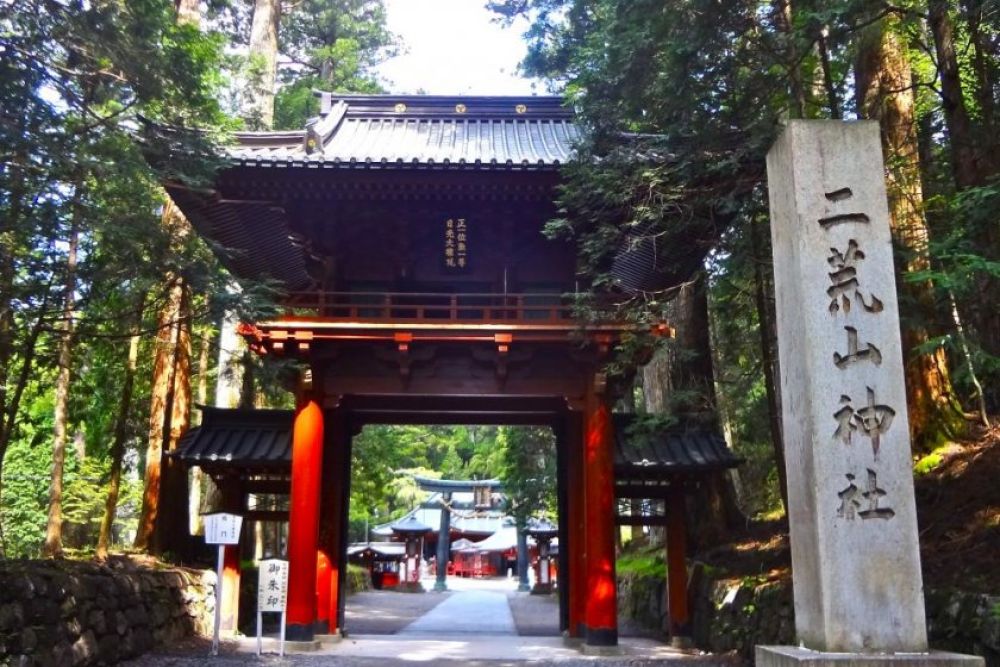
[659, 466]
[381, 559]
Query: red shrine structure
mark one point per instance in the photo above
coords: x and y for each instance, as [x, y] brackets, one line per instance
[405, 232]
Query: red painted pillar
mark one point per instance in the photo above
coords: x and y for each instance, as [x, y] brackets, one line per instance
[323, 576]
[576, 578]
[677, 577]
[602, 590]
[303, 519]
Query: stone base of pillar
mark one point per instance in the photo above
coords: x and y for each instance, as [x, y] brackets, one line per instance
[411, 587]
[295, 632]
[792, 656]
[682, 642]
[334, 638]
[541, 589]
[600, 637]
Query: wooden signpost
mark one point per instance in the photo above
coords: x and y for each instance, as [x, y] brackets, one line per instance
[221, 529]
[272, 592]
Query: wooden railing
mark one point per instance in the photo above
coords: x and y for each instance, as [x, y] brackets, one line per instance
[428, 307]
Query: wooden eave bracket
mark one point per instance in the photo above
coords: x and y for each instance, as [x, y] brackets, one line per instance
[503, 342]
[402, 339]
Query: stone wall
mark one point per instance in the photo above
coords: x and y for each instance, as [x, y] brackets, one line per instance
[734, 615]
[63, 613]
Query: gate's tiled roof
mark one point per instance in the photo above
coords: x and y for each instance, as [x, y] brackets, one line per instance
[668, 451]
[420, 131]
[262, 439]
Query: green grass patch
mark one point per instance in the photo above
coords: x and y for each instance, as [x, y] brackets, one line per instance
[646, 563]
[931, 461]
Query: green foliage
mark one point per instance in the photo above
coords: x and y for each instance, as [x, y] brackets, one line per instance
[334, 45]
[384, 458]
[642, 564]
[529, 472]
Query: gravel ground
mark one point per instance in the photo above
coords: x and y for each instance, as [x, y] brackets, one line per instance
[387, 612]
[195, 654]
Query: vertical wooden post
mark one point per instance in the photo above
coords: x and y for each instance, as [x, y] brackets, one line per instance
[602, 589]
[575, 577]
[677, 576]
[334, 500]
[303, 519]
[338, 604]
[562, 495]
[232, 501]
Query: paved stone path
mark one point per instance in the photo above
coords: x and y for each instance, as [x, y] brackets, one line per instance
[471, 611]
[476, 624]
[387, 612]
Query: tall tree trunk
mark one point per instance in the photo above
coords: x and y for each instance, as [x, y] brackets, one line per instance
[765, 324]
[960, 135]
[885, 93]
[52, 547]
[983, 63]
[161, 408]
[969, 171]
[783, 20]
[188, 12]
[120, 437]
[681, 382]
[196, 482]
[264, 63]
[168, 334]
[172, 528]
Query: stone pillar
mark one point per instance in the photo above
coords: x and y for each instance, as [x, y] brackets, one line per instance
[522, 558]
[303, 519]
[602, 589]
[855, 558]
[443, 544]
[677, 574]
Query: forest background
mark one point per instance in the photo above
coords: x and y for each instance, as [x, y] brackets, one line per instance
[111, 308]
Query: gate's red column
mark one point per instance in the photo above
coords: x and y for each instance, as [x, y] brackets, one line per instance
[602, 592]
[303, 518]
[677, 577]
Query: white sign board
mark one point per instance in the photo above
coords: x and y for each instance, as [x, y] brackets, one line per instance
[272, 593]
[273, 586]
[221, 528]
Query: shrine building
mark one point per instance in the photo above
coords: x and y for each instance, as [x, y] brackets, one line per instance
[406, 235]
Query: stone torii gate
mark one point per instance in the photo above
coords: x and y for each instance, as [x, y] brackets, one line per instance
[446, 487]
